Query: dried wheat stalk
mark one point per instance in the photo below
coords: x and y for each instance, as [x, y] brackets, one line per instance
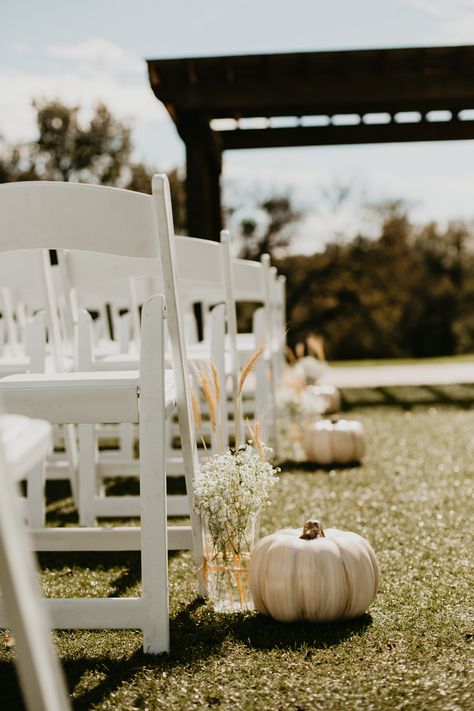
[197, 417]
[246, 370]
[299, 350]
[316, 346]
[217, 391]
[255, 434]
[208, 393]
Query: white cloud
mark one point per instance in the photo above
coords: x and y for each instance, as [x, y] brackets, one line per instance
[456, 17]
[21, 48]
[442, 8]
[83, 74]
[99, 53]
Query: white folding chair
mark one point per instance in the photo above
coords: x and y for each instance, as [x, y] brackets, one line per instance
[200, 272]
[30, 312]
[67, 216]
[23, 445]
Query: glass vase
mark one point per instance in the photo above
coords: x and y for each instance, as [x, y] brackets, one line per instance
[226, 561]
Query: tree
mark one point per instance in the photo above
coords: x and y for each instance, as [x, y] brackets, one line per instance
[98, 151]
[278, 215]
[409, 292]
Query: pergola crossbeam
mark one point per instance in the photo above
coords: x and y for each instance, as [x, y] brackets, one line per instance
[347, 135]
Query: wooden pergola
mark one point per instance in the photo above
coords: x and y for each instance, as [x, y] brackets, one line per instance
[308, 99]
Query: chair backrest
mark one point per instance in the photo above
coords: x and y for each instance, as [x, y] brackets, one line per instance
[126, 282]
[252, 282]
[200, 271]
[54, 215]
[249, 280]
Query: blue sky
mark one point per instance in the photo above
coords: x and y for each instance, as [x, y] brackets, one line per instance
[95, 49]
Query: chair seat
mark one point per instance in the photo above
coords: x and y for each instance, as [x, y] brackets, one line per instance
[10, 366]
[196, 352]
[92, 397]
[13, 365]
[25, 443]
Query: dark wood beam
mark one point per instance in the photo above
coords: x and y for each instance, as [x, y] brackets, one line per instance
[307, 83]
[346, 135]
[349, 95]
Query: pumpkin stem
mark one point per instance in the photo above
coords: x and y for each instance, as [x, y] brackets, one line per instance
[312, 529]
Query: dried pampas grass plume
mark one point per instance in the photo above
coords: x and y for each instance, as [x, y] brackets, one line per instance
[197, 417]
[255, 434]
[299, 350]
[248, 367]
[290, 355]
[217, 391]
[316, 346]
[208, 393]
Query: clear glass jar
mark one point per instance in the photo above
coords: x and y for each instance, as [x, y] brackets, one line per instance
[226, 561]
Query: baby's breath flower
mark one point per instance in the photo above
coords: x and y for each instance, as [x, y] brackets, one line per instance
[229, 491]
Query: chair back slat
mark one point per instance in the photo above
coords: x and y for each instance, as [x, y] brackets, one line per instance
[54, 215]
[248, 280]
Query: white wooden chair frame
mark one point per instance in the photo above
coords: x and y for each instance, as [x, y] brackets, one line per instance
[200, 272]
[22, 609]
[100, 397]
[28, 275]
[251, 281]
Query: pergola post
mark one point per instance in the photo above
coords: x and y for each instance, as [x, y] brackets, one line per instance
[203, 172]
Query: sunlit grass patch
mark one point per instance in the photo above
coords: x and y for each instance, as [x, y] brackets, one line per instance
[411, 498]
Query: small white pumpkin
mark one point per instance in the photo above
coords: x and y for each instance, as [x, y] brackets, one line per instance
[328, 395]
[334, 441]
[311, 574]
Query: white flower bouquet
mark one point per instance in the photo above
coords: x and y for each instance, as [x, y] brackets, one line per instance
[230, 490]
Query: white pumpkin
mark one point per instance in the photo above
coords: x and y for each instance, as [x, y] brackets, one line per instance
[334, 441]
[311, 574]
[328, 395]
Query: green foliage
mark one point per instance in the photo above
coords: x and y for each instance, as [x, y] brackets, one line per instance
[279, 214]
[408, 293]
[98, 151]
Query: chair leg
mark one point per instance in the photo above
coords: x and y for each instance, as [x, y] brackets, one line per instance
[35, 492]
[154, 542]
[87, 475]
[127, 441]
[70, 446]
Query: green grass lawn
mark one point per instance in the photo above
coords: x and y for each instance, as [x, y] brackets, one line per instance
[412, 498]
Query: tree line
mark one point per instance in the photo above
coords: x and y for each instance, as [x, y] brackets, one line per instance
[408, 292]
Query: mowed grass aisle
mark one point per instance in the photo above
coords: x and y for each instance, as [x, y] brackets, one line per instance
[412, 499]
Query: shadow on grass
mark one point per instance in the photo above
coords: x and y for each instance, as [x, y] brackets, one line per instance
[197, 633]
[290, 465]
[261, 632]
[405, 397]
[11, 694]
